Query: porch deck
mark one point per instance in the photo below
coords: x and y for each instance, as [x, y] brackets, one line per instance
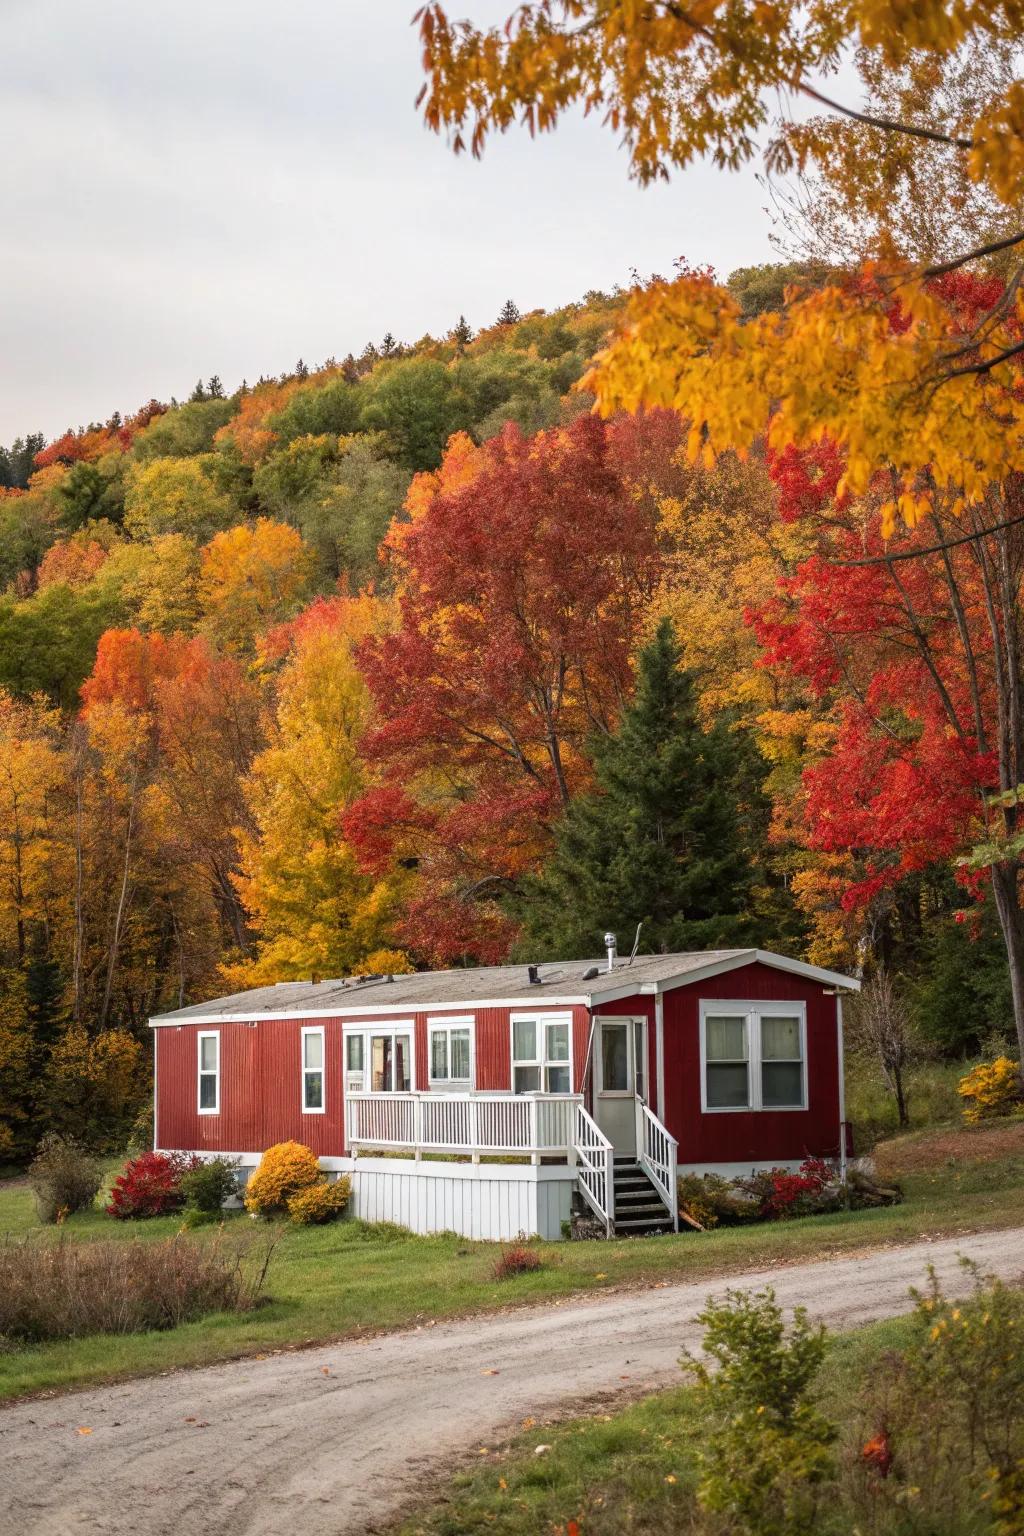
[470, 1125]
[553, 1127]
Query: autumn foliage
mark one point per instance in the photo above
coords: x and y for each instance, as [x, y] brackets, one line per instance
[284, 1171]
[522, 581]
[149, 1185]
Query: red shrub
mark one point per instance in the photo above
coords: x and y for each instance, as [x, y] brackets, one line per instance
[790, 1194]
[779, 1193]
[516, 1261]
[150, 1185]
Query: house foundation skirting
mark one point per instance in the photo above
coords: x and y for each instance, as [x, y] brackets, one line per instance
[486, 1201]
[477, 1200]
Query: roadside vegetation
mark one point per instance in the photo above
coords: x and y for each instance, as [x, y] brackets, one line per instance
[909, 1426]
[348, 1279]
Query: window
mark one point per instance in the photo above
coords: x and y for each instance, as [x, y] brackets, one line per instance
[379, 1058]
[451, 1052]
[753, 1056]
[640, 1059]
[313, 1071]
[782, 1062]
[541, 1062]
[209, 1073]
[614, 1057]
[727, 1062]
[390, 1063]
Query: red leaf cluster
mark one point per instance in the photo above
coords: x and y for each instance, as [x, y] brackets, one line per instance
[523, 580]
[150, 1185]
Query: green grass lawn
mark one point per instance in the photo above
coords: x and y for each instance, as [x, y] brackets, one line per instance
[342, 1280]
[614, 1474]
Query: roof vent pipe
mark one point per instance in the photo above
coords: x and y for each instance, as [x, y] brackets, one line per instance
[611, 944]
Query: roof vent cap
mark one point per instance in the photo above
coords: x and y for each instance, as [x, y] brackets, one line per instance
[533, 974]
[611, 944]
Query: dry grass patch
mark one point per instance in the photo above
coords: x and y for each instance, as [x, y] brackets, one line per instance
[69, 1290]
[929, 1151]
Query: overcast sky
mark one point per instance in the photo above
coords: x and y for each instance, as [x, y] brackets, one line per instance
[223, 186]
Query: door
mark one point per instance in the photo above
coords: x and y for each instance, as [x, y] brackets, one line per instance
[619, 1079]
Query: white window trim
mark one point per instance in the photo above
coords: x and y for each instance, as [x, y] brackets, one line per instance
[312, 1109]
[207, 1034]
[440, 1024]
[753, 1012]
[541, 1019]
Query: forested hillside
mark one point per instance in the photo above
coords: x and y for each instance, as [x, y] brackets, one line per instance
[339, 672]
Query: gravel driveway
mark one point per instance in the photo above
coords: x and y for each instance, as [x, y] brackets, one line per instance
[328, 1440]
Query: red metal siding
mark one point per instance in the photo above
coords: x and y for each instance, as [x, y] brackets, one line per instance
[261, 1077]
[494, 1049]
[260, 1088]
[765, 1135]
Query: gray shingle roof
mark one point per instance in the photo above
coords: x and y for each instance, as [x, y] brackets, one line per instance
[559, 979]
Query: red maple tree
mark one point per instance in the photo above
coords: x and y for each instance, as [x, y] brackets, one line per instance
[523, 580]
[914, 645]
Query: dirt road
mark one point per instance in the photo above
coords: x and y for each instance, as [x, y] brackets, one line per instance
[326, 1441]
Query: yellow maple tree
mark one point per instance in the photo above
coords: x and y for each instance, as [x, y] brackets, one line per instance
[314, 911]
[253, 577]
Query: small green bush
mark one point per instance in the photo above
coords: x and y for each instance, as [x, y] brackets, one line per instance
[64, 1178]
[768, 1450]
[209, 1187]
[942, 1425]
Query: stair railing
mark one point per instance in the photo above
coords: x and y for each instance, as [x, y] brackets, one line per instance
[658, 1155]
[595, 1167]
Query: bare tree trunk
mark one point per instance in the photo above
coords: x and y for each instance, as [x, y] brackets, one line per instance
[1005, 890]
[76, 965]
[900, 1095]
[122, 901]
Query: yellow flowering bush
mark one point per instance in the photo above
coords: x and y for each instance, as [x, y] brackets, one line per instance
[991, 1089]
[319, 1202]
[284, 1170]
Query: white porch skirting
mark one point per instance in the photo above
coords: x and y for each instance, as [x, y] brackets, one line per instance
[477, 1200]
[493, 1201]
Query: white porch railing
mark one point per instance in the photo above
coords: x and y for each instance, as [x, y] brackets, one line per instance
[657, 1153]
[463, 1123]
[595, 1160]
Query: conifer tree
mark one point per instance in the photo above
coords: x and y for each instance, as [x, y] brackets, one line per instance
[509, 313]
[666, 836]
[461, 334]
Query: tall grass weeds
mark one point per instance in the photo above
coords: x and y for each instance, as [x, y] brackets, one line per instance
[66, 1289]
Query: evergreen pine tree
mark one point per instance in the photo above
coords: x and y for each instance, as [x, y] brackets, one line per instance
[198, 394]
[665, 838]
[509, 314]
[461, 334]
